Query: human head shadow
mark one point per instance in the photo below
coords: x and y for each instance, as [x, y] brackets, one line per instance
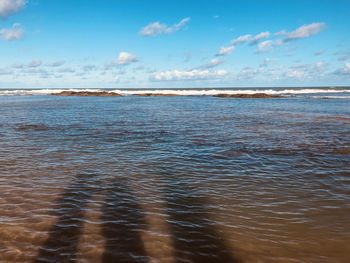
[62, 243]
[194, 235]
[122, 223]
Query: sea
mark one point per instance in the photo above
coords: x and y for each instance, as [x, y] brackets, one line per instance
[192, 178]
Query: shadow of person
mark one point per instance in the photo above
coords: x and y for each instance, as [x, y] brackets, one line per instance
[122, 223]
[194, 235]
[62, 243]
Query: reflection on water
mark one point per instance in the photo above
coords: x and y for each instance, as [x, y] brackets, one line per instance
[174, 179]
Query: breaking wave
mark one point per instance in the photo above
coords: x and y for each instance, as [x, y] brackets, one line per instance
[337, 92]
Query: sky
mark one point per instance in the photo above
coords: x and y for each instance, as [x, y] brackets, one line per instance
[174, 44]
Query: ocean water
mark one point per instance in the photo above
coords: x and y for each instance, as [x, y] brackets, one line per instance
[175, 179]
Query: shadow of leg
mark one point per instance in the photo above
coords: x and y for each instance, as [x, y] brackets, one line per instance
[195, 237]
[62, 243]
[122, 223]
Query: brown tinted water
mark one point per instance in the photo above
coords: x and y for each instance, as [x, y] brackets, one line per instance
[174, 179]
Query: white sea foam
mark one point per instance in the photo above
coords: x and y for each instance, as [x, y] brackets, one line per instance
[185, 92]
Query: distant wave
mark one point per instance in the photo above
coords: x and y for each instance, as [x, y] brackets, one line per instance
[187, 92]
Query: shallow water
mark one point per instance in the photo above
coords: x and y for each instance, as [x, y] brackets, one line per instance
[174, 179]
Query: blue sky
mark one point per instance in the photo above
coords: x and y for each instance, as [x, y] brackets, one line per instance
[182, 44]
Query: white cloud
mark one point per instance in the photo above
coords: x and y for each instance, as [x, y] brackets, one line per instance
[299, 33]
[304, 31]
[307, 71]
[242, 39]
[195, 74]
[213, 63]
[264, 46]
[89, 68]
[320, 67]
[66, 70]
[249, 39]
[34, 64]
[343, 55]
[157, 28]
[252, 40]
[223, 51]
[279, 42]
[281, 33]
[56, 63]
[11, 34]
[247, 73]
[295, 74]
[259, 37]
[344, 70]
[34, 71]
[4, 71]
[9, 7]
[126, 58]
[271, 71]
[265, 63]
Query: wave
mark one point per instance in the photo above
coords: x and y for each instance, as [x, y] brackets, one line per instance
[185, 92]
